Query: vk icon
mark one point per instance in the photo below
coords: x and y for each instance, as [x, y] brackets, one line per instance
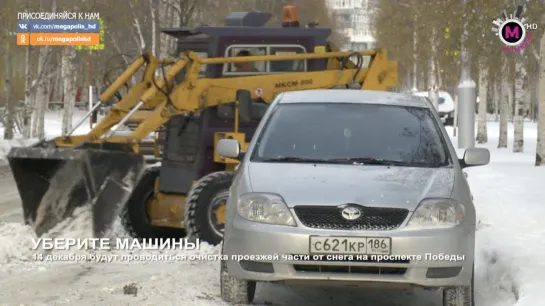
[23, 26]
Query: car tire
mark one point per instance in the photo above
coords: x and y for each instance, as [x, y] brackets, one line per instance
[460, 296]
[234, 290]
[198, 206]
[449, 121]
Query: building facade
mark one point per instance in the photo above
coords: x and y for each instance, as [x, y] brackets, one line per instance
[355, 19]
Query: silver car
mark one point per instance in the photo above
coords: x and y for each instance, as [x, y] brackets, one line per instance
[350, 186]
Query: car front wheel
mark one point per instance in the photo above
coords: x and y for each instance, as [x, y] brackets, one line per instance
[234, 290]
[460, 296]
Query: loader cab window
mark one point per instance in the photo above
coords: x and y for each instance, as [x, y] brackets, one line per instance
[287, 66]
[245, 68]
[264, 67]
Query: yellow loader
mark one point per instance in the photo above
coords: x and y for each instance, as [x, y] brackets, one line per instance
[219, 87]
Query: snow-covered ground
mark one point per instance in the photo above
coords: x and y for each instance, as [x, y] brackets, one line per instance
[509, 267]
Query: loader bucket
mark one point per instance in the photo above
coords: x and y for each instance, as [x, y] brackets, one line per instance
[54, 182]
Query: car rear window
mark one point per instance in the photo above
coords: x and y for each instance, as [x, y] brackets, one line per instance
[344, 130]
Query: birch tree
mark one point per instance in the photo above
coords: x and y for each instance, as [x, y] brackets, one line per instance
[68, 70]
[41, 99]
[520, 103]
[139, 38]
[152, 10]
[504, 107]
[9, 123]
[482, 134]
[27, 111]
[164, 40]
[540, 150]
[497, 100]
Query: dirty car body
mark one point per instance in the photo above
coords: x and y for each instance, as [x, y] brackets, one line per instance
[358, 186]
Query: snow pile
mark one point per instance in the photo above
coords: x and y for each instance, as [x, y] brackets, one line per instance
[15, 242]
[509, 197]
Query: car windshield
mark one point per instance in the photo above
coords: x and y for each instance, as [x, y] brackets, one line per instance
[352, 134]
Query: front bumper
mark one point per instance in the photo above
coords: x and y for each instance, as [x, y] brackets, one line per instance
[245, 238]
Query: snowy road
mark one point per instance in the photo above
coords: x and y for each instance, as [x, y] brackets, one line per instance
[498, 278]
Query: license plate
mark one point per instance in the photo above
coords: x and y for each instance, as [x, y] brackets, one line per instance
[350, 245]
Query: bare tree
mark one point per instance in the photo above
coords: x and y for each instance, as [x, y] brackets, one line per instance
[482, 134]
[152, 9]
[497, 100]
[68, 71]
[139, 38]
[41, 102]
[9, 123]
[504, 107]
[540, 151]
[29, 84]
[520, 103]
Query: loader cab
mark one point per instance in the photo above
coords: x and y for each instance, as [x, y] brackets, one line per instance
[242, 34]
[246, 32]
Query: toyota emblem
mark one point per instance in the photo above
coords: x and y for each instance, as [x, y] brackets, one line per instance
[351, 213]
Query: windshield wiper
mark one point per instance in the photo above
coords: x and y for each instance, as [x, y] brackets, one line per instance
[369, 161]
[348, 160]
[295, 159]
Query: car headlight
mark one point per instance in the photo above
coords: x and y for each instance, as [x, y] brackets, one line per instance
[437, 213]
[265, 208]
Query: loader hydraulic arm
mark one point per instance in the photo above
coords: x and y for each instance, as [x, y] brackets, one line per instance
[124, 106]
[195, 94]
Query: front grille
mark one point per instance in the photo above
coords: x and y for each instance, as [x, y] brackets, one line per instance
[368, 260]
[330, 217]
[349, 269]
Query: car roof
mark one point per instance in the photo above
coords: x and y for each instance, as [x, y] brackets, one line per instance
[426, 93]
[355, 96]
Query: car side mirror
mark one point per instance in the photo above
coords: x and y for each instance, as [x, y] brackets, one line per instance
[244, 105]
[475, 157]
[228, 148]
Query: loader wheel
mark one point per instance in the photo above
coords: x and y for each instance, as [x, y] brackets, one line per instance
[134, 216]
[205, 207]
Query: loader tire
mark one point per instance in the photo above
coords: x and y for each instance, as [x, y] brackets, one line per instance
[203, 197]
[134, 216]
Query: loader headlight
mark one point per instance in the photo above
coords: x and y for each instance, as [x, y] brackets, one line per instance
[437, 213]
[265, 208]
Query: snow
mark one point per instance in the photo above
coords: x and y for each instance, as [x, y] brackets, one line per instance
[508, 194]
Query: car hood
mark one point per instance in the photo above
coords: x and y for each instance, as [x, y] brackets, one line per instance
[325, 184]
